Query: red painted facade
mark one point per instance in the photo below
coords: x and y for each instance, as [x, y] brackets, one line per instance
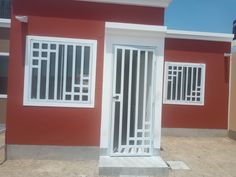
[65, 18]
[80, 126]
[213, 115]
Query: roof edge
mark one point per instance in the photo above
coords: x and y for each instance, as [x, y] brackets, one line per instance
[135, 27]
[196, 35]
[149, 3]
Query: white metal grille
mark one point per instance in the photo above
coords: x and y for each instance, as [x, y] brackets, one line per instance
[60, 71]
[184, 83]
[132, 101]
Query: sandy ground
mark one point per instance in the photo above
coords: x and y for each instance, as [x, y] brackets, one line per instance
[206, 157]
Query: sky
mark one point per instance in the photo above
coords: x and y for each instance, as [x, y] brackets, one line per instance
[201, 15]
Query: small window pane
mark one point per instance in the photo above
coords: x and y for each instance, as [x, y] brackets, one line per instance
[52, 75]
[86, 60]
[69, 68]
[35, 54]
[43, 76]
[44, 46]
[53, 46]
[84, 98]
[36, 45]
[34, 83]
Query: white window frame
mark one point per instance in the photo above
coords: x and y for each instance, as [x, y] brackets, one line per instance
[4, 54]
[202, 85]
[27, 101]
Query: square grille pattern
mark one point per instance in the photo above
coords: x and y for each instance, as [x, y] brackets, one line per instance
[60, 71]
[184, 83]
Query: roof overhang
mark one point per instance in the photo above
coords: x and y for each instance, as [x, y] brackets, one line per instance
[5, 23]
[194, 35]
[149, 3]
[135, 29]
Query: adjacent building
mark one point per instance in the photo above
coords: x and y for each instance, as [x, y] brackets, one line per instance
[232, 94]
[4, 56]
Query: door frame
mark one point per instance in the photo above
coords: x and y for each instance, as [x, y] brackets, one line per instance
[129, 47]
[130, 35]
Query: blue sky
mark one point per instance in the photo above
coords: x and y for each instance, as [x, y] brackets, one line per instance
[201, 15]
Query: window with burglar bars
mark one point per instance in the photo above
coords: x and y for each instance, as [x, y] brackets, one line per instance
[60, 72]
[184, 83]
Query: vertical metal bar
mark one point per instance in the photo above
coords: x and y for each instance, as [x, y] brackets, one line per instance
[171, 80]
[64, 74]
[114, 102]
[81, 72]
[62, 65]
[47, 71]
[181, 84]
[176, 83]
[144, 95]
[90, 70]
[129, 95]
[56, 72]
[186, 92]
[73, 71]
[137, 98]
[39, 71]
[196, 91]
[152, 97]
[191, 85]
[121, 97]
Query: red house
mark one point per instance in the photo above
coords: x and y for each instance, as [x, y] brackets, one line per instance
[102, 77]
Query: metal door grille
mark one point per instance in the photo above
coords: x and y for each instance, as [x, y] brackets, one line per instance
[132, 101]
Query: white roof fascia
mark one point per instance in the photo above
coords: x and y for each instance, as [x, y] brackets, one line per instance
[194, 35]
[135, 29]
[5, 23]
[233, 46]
[149, 3]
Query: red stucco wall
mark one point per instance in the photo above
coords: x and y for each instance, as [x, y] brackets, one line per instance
[213, 114]
[40, 125]
[90, 11]
[65, 18]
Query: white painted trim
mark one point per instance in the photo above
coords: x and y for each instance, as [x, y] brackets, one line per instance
[4, 53]
[135, 29]
[5, 23]
[23, 19]
[149, 3]
[3, 96]
[130, 34]
[195, 35]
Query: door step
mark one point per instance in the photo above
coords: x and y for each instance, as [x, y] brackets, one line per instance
[137, 166]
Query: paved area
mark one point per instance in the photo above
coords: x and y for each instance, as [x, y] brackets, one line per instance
[206, 157]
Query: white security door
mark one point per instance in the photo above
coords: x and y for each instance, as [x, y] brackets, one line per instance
[132, 109]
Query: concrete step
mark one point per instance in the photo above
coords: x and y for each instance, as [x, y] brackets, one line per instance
[135, 166]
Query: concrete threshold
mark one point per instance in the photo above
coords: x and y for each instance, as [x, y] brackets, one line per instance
[134, 166]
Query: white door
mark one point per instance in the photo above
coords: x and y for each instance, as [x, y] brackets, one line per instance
[132, 102]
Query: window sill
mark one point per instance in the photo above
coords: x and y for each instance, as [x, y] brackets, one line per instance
[3, 96]
[183, 103]
[61, 105]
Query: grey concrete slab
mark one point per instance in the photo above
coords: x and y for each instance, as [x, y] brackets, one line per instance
[138, 166]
